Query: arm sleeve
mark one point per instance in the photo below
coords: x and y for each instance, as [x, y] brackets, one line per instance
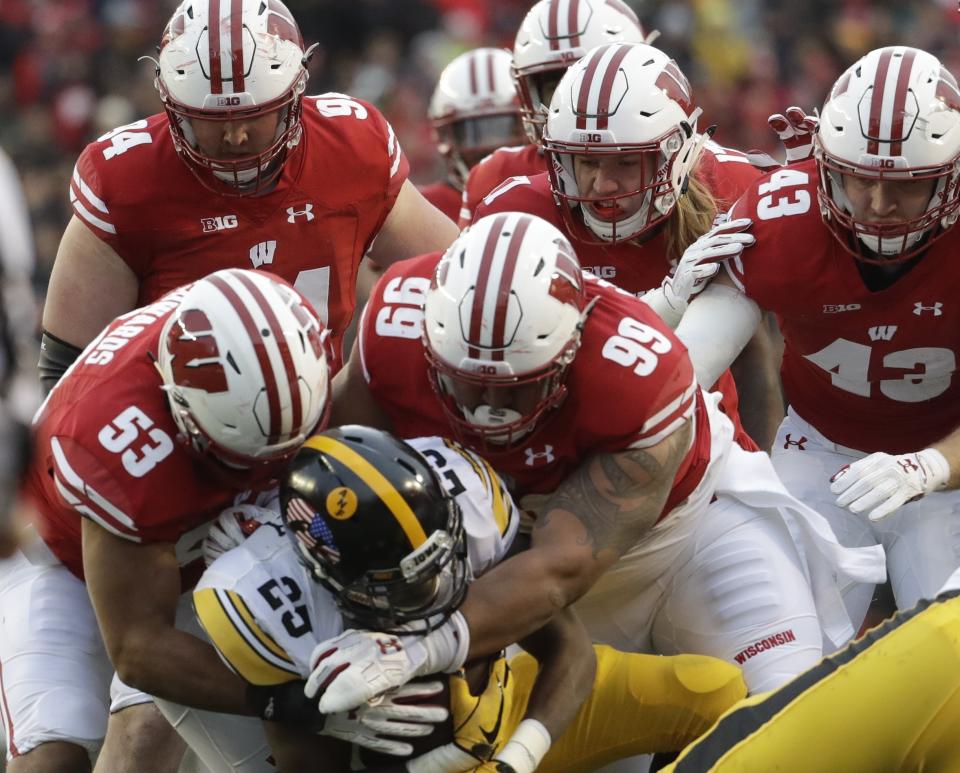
[715, 328]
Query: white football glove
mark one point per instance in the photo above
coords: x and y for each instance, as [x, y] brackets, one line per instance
[880, 483]
[233, 526]
[795, 130]
[701, 261]
[378, 724]
[356, 666]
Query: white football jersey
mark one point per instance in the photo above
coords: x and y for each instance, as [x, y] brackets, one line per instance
[265, 614]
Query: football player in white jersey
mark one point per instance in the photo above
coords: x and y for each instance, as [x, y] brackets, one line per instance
[385, 535]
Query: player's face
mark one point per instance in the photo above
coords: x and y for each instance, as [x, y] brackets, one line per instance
[223, 140]
[614, 176]
[882, 201]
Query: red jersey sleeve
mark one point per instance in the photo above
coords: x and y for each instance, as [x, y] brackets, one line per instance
[727, 173]
[357, 133]
[503, 163]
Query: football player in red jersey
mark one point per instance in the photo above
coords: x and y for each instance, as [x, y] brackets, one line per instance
[855, 251]
[633, 185]
[242, 170]
[474, 110]
[666, 534]
[174, 412]
[553, 35]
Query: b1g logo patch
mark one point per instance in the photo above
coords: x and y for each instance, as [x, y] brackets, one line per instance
[342, 503]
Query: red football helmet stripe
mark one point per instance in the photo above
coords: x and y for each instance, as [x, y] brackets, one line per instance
[876, 101]
[473, 73]
[573, 30]
[491, 74]
[480, 290]
[213, 47]
[296, 407]
[263, 358]
[900, 101]
[584, 96]
[553, 14]
[606, 86]
[236, 44]
[506, 282]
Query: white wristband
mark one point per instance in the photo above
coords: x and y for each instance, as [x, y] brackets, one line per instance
[527, 747]
[657, 300]
[445, 648]
[936, 467]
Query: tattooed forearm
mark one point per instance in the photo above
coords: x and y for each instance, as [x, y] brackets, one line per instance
[617, 497]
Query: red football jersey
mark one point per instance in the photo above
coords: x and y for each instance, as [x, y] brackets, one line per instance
[503, 163]
[635, 267]
[106, 449]
[444, 197]
[870, 370]
[338, 186]
[658, 390]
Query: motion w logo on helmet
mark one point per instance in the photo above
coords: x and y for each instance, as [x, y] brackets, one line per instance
[197, 362]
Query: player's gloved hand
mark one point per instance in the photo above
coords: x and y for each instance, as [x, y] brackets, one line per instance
[700, 262]
[379, 725]
[232, 527]
[359, 665]
[382, 724]
[480, 725]
[795, 130]
[880, 483]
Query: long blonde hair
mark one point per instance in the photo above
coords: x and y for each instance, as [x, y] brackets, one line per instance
[691, 218]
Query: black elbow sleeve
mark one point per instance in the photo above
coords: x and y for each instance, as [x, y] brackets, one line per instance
[56, 356]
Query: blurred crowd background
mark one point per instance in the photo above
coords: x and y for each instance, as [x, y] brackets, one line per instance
[69, 69]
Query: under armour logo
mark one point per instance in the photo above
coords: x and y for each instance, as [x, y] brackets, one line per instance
[907, 466]
[307, 211]
[919, 308]
[798, 443]
[543, 457]
[390, 645]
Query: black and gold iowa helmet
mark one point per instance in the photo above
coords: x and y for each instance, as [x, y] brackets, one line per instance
[372, 522]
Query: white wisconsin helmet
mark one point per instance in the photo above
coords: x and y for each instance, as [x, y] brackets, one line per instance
[555, 34]
[245, 367]
[474, 109]
[894, 115]
[226, 61]
[505, 311]
[623, 99]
